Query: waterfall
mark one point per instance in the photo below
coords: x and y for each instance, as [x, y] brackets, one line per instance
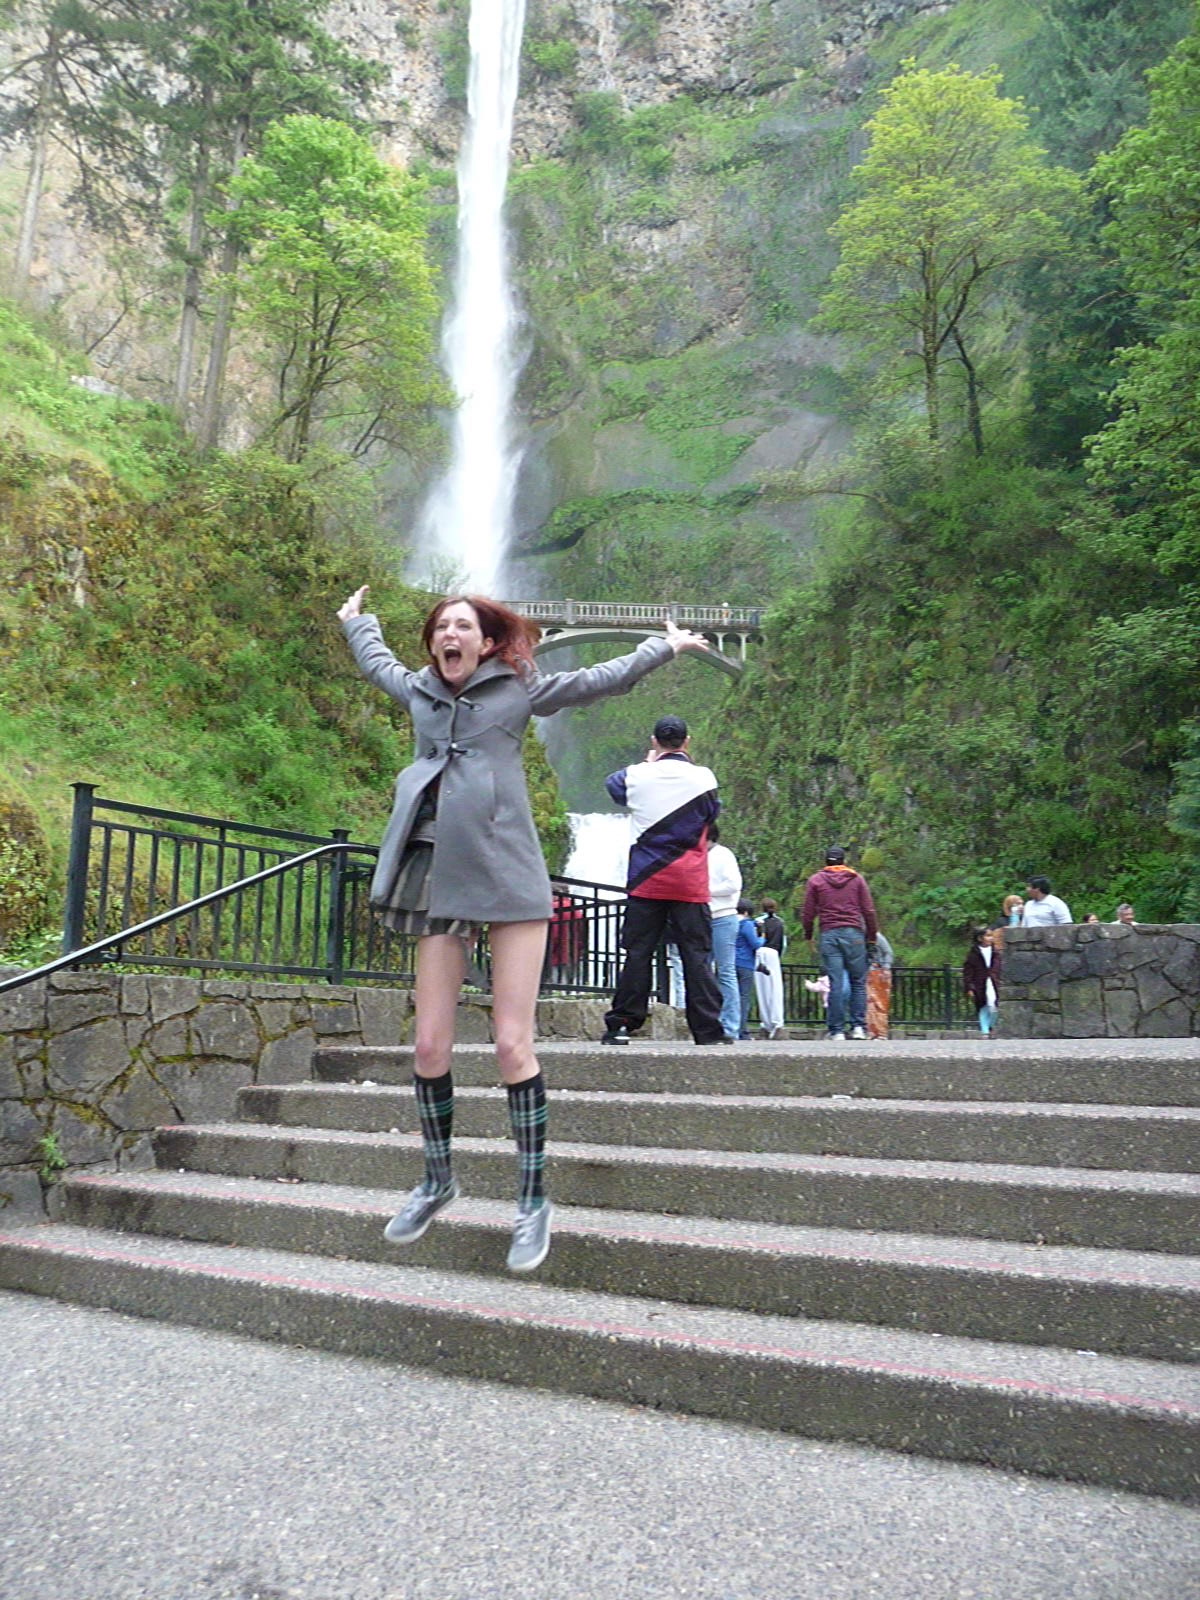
[599, 847]
[463, 532]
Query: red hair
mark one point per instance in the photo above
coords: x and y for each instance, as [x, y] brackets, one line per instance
[513, 636]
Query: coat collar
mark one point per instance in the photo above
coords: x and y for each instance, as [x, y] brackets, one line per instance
[432, 683]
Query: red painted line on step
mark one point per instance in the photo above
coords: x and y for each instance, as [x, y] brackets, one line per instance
[295, 1196]
[611, 1330]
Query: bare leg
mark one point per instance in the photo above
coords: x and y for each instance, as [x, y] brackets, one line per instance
[518, 949]
[517, 952]
[441, 964]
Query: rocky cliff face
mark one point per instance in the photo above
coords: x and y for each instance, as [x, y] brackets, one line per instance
[644, 51]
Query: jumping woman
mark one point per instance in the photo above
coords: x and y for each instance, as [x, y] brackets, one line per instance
[460, 852]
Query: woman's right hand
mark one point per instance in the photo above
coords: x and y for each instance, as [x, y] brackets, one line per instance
[353, 606]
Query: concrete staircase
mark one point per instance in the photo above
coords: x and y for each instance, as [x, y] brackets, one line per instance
[985, 1252]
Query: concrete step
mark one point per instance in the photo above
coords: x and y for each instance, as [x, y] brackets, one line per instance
[1113, 1420]
[1136, 1138]
[1121, 1072]
[1106, 1210]
[1127, 1303]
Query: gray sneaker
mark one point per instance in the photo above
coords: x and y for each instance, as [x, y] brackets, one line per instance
[418, 1211]
[531, 1239]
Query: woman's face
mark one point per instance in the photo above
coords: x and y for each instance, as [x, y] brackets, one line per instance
[457, 644]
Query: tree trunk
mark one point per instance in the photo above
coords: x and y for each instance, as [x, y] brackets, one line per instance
[974, 417]
[218, 350]
[929, 356]
[189, 316]
[39, 145]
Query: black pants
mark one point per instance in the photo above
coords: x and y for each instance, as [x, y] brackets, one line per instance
[688, 924]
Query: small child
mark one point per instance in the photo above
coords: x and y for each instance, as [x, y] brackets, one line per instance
[981, 978]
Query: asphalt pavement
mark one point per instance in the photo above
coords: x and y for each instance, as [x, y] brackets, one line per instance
[151, 1461]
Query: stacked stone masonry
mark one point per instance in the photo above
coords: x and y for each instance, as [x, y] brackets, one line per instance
[1096, 981]
[92, 1063]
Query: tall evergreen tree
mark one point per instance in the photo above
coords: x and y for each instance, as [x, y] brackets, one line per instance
[233, 66]
[70, 88]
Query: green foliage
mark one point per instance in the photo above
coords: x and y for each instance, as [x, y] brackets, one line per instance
[1085, 69]
[953, 192]
[50, 1153]
[137, 443]
[553, 58]
[338, 284]
[1145, 464]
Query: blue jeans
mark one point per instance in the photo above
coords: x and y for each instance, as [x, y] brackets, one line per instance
[844, 955]
[724, 942]
[987, 1018]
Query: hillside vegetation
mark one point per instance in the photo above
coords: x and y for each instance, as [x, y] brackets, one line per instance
[902, 347]
[167, 632]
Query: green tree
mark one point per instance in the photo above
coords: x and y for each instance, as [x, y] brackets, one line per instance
[65, 90]
[232, 67]
[1145, 464]
[954, 193]
[338, 285]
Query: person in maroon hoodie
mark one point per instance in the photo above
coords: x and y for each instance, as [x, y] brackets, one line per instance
[838, 898]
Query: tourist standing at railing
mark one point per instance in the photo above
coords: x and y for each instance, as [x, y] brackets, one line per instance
[768, 970]
[724, 892]
[880, 961]
[672, 803]
[1043, 909]
[749, 943]
[838, 898]
[460, 852]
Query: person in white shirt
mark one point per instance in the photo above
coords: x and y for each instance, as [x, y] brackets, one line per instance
[724, 892]
[1042, 908]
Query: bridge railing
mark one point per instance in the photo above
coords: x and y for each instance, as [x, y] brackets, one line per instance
[581, 612]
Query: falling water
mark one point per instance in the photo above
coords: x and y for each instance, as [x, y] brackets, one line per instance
[464, 529]
[599, 847]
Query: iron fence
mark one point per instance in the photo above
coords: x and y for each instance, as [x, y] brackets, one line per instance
[279, 903]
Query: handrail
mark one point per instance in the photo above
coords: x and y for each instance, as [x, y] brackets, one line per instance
[112, 941]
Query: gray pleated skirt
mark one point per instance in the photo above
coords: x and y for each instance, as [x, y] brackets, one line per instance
[407, 910]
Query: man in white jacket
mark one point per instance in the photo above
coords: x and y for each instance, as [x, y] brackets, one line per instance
[724, 892]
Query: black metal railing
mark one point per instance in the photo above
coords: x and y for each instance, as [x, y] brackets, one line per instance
[171, 890]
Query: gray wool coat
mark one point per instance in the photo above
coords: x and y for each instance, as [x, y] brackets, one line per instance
[487, 862]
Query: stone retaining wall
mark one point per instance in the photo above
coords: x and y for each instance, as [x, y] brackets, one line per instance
[92, 1063]
[1101, 980]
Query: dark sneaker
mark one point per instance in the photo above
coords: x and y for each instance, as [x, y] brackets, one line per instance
[615, 1036]
[418, 1212]
[531, 1239]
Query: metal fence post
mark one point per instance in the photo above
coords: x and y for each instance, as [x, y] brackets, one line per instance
[75, 909]
[948, 997]
[335, 939]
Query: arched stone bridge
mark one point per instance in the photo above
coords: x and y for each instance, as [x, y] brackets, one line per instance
[568, 622]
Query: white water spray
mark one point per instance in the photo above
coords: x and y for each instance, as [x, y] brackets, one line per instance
[464, 528]
[599, 847]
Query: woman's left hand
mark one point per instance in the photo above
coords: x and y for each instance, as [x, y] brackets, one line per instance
[683, 638]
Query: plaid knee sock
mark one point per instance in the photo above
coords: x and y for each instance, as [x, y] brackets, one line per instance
[527, 1114]
[435, 1105]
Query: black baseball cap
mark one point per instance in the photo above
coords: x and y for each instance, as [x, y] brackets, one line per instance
[670, 730]
[835, 856]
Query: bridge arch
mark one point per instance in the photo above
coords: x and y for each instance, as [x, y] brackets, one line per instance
[562, 637]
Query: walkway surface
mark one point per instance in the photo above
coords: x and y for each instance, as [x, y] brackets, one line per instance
[144, 1461]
